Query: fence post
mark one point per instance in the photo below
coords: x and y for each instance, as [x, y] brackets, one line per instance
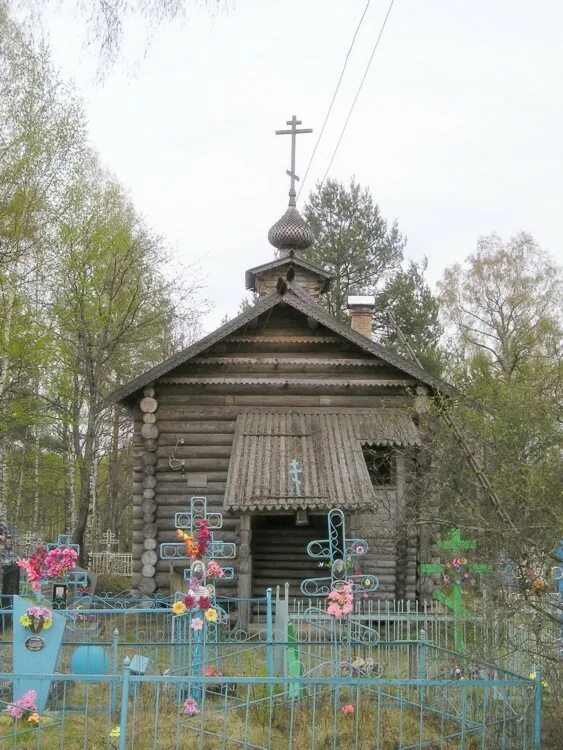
[269, 633]
[421, 667]
[114, 670]
[124, 703]
[538, 697]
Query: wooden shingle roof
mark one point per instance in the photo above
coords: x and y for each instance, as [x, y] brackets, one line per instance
[266, 442]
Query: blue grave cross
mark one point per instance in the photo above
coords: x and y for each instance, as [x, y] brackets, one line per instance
[63, 541]
[188, 521]
[338, 551]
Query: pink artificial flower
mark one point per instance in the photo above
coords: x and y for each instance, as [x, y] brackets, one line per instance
[214, 570]
[197, 624]
[190, 707]
[334, 610]
[348, 709]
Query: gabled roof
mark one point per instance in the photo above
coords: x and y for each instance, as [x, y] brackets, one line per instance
[289, 260]
[297, 298]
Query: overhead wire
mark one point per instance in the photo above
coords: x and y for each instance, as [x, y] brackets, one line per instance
[366, 71]
[334, 96]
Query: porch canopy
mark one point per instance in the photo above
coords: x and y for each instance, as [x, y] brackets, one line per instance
[326, 444]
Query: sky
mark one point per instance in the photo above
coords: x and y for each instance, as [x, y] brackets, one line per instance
[457, 131]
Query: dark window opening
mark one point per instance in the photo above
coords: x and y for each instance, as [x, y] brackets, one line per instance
[381, 464]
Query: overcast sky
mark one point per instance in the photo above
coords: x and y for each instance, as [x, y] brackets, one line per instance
[458, 131]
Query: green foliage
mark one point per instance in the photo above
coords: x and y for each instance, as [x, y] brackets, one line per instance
[352, 241]
[501, 312]
[416, 311]
[87, 300]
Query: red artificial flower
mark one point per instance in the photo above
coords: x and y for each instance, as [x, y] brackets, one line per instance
[189, 601]
[204, 602]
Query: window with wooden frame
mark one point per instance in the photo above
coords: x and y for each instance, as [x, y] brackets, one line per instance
[381, 463]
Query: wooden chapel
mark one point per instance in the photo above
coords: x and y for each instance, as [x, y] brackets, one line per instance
[283, 381]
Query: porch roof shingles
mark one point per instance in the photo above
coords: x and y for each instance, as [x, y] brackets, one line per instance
[328, 447]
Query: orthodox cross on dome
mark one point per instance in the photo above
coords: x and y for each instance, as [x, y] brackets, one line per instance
[293, 132]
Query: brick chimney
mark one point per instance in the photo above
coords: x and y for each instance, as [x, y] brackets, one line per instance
[361, 315]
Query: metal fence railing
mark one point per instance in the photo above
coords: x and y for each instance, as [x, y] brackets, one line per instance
[133, 712]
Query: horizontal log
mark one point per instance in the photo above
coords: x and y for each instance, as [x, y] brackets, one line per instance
[172, 408]
[150, 544]
[146, 585]
[173, 428]
[149, 493]
[197, 438]
[149, 391]
[150, 530]
[149, 506]
[163, 580]
[150, 445]
[180, 486]
[182, 497]
[148, 571]
[195, 451]
[197, 464]
[148, 404]
[175, 476]
[149, 482]
[137, 537]
[149, 557]
[149, 418]
[150, 431]
[148, 517]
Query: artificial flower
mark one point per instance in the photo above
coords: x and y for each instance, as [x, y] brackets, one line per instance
[212, 671]
[25, 620]
[211, 615]
[33, 718]
[190, 707]
[204, 602]
[214, 570]
[115, 732]
[348, 709]
[196, 624]
[189, 600]
[179, 608]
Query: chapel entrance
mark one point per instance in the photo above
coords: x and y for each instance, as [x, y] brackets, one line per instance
[279, 551]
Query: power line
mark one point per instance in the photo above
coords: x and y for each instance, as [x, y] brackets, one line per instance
[366, 71]
[334, 96]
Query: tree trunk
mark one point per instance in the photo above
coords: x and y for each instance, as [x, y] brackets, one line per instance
[86, 469]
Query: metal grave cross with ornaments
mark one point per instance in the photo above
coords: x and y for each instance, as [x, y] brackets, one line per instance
[338, 551]
[76, 578]
[216, 550]
[454, 544]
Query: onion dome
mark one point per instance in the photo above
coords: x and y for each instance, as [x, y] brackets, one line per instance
[290, 233]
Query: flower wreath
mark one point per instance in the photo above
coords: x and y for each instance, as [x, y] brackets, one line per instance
[37, 619]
